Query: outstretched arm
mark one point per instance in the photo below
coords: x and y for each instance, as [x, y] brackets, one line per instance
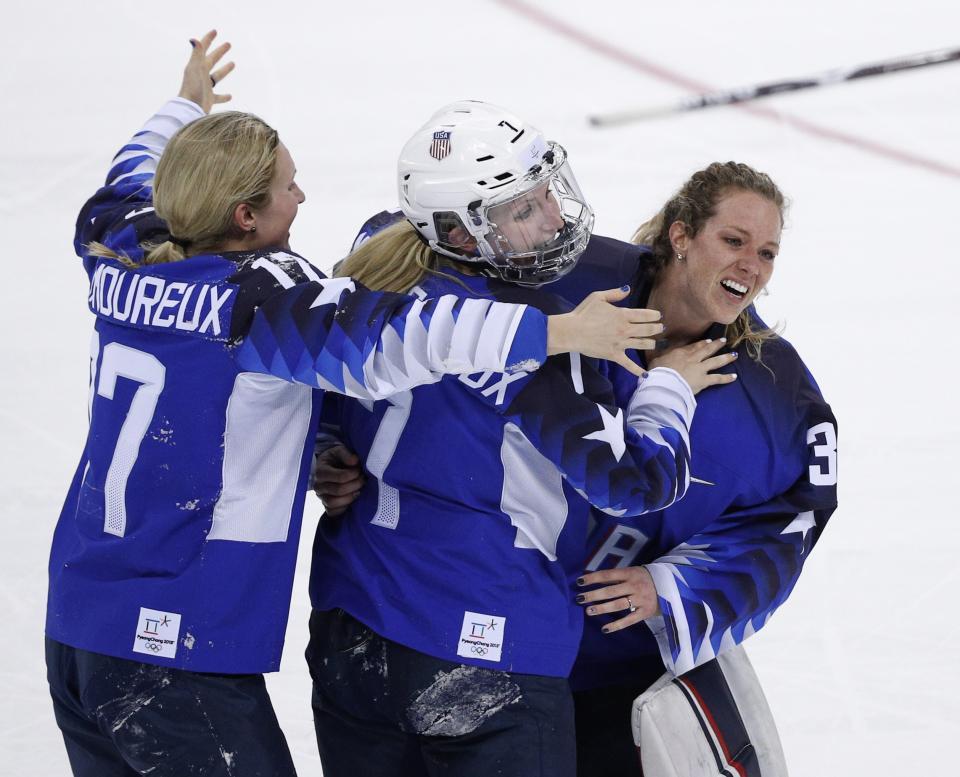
[623, 461]
[120, 215]
[623, 445]
[334, 334]
[597, 328]
[421, 341]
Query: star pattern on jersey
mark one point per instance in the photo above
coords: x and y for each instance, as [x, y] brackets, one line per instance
[612, 432]
[801, 525]
[687, 554]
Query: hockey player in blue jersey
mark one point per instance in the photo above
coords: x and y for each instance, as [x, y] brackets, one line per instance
[712, 569]
[709, 570]
[172, 562]
[443, 627]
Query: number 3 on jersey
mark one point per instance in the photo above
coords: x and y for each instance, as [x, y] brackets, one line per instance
[823, 438]
[121, 361]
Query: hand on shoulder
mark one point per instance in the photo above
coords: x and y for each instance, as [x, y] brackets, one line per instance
[696, 362]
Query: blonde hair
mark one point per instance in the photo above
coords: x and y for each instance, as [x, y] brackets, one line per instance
[207, 169]
[693, 205]
[394, 259]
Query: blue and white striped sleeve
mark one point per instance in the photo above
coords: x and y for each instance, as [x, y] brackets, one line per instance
[625, 462]
[138, 158]
[725, 582]
[339, 336]
[128, 190]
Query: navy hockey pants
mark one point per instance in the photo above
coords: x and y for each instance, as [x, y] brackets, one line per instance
[605, 746]
[383, 709]
[121, 718]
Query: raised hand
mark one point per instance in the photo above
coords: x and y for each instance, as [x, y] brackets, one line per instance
[199, 76]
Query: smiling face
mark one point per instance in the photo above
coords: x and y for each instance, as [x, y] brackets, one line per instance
[274, 219]
[527, 222]
[728, 262]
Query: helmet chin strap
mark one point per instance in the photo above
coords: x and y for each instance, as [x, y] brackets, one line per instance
[478, 267]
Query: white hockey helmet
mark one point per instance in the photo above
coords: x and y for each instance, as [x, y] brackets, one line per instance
[481, 185]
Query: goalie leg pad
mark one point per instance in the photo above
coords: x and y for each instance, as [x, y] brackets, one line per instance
[710, 722]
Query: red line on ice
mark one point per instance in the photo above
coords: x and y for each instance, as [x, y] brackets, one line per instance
[642, 65]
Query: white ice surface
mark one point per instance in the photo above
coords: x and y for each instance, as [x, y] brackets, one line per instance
[858, 667]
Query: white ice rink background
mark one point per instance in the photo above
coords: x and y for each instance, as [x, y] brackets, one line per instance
[861, 665]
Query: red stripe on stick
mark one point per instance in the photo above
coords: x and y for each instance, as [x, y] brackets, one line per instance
[713, 726]
[663, 74]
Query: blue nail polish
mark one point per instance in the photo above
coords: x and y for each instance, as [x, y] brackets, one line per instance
[579, 581]
[580, 598]
[625, 287]
[605, 629]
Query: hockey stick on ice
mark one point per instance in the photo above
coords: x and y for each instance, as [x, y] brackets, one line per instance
[746, 93]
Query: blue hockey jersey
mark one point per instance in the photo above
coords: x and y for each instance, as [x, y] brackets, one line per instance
[466, 538]
[177, 540]
[763, 485]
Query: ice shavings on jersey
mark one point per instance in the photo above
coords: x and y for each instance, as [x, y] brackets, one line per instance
[164, 434]
[526, 365]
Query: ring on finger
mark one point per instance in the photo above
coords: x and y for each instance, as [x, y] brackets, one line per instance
[631, 605]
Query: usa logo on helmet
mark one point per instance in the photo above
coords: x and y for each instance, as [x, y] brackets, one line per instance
[440, 146]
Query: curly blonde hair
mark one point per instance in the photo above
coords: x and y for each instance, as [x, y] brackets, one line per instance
[693, 205]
